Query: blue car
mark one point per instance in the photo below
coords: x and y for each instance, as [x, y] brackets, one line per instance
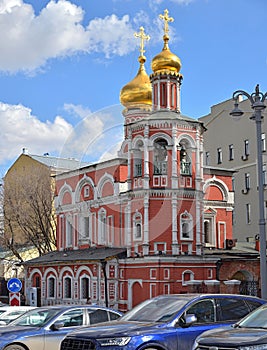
[166, 322]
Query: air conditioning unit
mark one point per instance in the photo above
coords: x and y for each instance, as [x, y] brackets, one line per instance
[230, 243]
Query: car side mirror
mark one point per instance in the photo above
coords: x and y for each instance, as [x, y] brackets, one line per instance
[188, 320]
[57, 325]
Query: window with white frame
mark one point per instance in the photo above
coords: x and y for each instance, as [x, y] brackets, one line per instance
[246, 148]
[138, 160]
[51, 283]
[207, 158]
[219, 155]
[186, 225]
[86, 191]
[153, 289]
[160, 157]
[247, 181]
[263, 142]
[102, 226]
[153, 274]
[187, 276]
[85, 285]
[166, 288]
[264, 174]
[137, 225]
[69, 232]
[231, 152]
[67, 285]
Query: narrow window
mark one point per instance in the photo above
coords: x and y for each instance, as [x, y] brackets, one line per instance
[248, 213]
[67, 288]
[51, 287]
[247, 181]
[160, 157]
[207, 158]
[263, 142]
[85, 288]
[246, 147]
[264, 174]
[219, 155]
[231, 152]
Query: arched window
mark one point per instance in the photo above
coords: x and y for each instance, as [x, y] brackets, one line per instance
[85, 287]
[67, 287]
[160, 157]
[51, 283]
[185, 162]
[186, 226]
[187, 276]
[137, 225]
[102, 226]
[138, 160]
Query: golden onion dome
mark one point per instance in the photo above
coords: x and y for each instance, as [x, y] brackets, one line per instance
[166, 61]
[138, 92]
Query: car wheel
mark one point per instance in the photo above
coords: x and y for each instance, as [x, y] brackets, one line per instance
[14, 347]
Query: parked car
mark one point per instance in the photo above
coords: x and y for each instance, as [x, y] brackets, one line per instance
[10, 313]
[44, 327]
[248, 334]
[165, 322]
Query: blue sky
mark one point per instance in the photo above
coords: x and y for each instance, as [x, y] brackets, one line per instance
[63, 64]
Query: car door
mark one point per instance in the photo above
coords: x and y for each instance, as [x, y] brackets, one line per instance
[71, 320]
[205, 312]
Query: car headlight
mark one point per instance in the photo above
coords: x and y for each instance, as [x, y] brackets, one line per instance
[118, 341]
[253, 347]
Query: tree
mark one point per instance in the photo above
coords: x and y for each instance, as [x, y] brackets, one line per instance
[29, 215]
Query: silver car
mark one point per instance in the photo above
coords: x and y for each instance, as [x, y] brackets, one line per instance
[43, 328]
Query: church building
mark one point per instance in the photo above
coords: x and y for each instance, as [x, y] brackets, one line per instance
[138, 225]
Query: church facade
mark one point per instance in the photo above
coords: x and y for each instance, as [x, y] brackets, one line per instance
[138, 225]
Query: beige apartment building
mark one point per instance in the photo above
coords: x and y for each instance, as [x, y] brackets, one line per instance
[231, 144]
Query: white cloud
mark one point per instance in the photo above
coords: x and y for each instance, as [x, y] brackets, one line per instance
[19, 129]
[56, 32]
[95, 135]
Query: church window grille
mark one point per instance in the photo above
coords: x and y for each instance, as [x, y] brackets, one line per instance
[67, 288]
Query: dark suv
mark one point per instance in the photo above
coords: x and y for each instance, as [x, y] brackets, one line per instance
[165, 322]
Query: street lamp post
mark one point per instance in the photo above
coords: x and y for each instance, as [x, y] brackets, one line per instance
[257, 99]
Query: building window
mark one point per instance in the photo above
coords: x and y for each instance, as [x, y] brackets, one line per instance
[219, 155]
[207, 158]
[231, 152]
[85, 284]
[247, 181]
[51, 287]
[137, 226]
[264, 175]
[86, 191]
[166, 274]
[138, 160]
[186, 226]
[185, 163]
[160, 157]
[187, 276]
[67, 288]
[248, 213]
[102, 226]
[69, 232]
[246, 148]
[153, 274]
[263, 142]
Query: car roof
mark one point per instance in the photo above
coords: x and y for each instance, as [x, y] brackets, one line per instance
[192, 296]
[64, 306]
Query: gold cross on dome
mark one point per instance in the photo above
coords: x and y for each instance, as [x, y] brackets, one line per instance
[166, 19]
[143, 37]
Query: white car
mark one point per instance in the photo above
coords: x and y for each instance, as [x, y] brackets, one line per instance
[10, 313]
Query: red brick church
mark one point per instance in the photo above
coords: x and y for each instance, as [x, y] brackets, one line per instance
[149, 221]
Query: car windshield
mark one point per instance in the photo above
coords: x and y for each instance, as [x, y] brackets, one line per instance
[35, 318]
[256, 319]
[155, 310]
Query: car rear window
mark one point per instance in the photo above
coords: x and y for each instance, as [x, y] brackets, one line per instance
[230, 309]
